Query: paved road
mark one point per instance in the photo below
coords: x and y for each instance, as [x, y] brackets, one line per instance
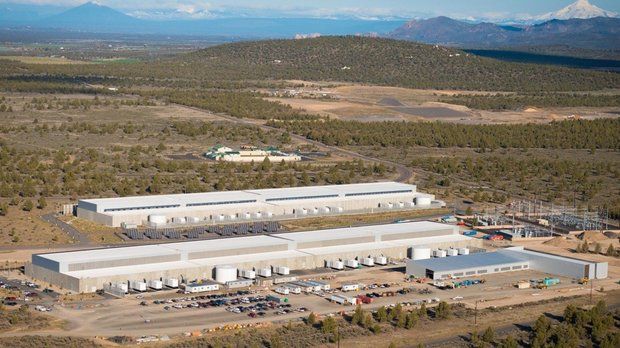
[79, 237]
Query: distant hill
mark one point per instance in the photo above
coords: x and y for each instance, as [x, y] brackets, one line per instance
[91, 16]
[593, 33]
[380, 61]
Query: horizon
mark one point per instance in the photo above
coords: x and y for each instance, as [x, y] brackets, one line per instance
[474, 10]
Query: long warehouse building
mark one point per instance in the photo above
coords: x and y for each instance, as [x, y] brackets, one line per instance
[506, 260]
[248, 205]
[89, 270]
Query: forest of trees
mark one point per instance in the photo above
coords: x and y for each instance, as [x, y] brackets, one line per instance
[351, 59]
[504, 101]
[596, 134]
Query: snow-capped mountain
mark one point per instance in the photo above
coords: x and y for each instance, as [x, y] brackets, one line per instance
[582, 9]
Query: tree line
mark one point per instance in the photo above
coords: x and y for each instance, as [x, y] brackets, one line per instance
[577, 134]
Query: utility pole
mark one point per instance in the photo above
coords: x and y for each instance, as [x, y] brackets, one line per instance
[476, 314]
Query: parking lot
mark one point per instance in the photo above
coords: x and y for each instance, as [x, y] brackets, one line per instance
[170, 313]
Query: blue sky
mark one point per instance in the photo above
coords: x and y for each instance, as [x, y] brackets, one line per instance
[333, 8]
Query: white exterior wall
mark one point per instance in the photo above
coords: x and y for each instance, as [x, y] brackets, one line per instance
[95, 209]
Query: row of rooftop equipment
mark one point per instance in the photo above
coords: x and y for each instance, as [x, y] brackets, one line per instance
[196, 232]
[423, 253]
[357, 262]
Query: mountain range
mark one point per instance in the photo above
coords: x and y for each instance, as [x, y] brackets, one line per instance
[592, 33]
[595, 28]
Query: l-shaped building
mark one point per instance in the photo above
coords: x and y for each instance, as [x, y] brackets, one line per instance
[89, 270]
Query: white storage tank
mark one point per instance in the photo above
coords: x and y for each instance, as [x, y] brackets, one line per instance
[156, 284]
[351, 263]
[390, 205]
[401, 204]
[463, 251]
[247, 273]
[325, 210]
[232, 216]
[258, 215]
[225, 273]
[220, 217]
[304, 211]
[409, 204]
[452, 252]
[315, 211]
[264, 272]
[157, 220]
[171, 282]
[420, 253]
[381, 260]
[269, 214]
[368, 261]
[248, 216]
[138, 286]
[421, 200]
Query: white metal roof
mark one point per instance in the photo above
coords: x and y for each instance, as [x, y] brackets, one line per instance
[224, 244]
[336, 249]
[105, 254]
[362, 231]
[228, 196]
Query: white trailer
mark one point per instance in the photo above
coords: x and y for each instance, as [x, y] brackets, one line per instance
[381, 260]
[138, 286]
[156, 284]
[368, 262]
[293, 289]
[201, 287]
[171, 282]
[282, 290]
[343, 300]
[351, 263]
[350, 287]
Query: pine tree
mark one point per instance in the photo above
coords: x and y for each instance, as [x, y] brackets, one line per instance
[610, 250]
[311, 320]
[382, 314]
[489, 335]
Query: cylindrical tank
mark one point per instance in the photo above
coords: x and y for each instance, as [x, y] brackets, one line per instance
[157, 219]
[422, 201]
[420, 253]
[463, 251]
[225, 273]
[453, 252]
